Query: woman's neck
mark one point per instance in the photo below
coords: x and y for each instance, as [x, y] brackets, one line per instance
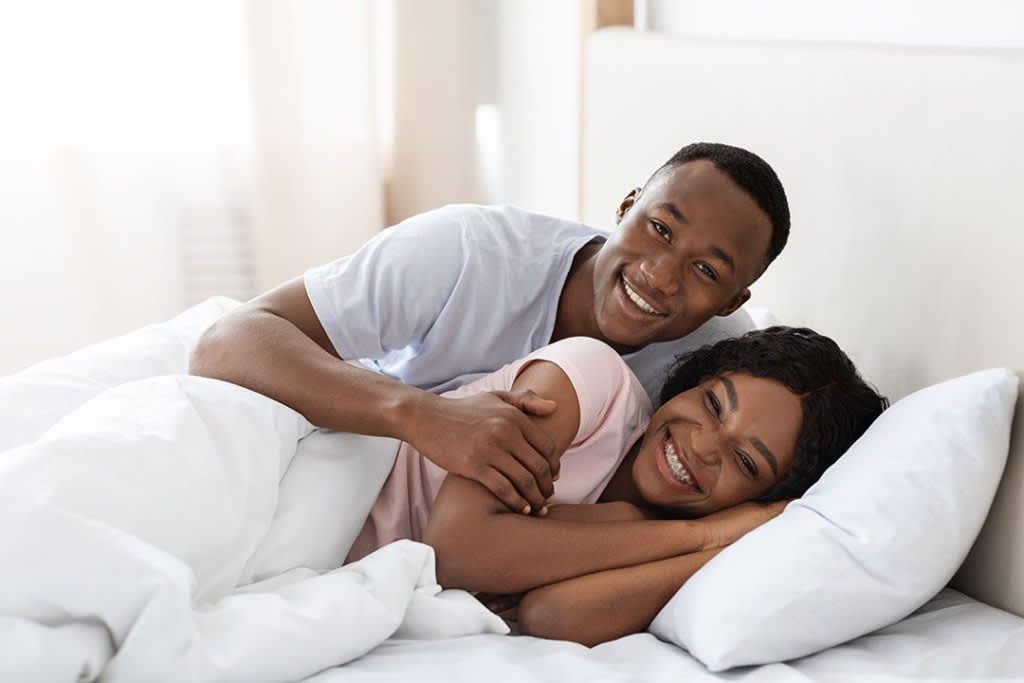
[622, 486]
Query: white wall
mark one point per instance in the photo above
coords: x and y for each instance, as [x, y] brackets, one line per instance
[974, 23]
[486, 105]
[538, 98]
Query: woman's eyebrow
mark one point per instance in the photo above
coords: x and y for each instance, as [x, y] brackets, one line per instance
[768, 455]
[730, 390]
[734, 402]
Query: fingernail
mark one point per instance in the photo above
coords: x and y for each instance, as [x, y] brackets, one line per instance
[544, 511]
[526, 510]
[555, 478]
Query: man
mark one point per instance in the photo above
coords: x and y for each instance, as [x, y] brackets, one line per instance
[452, 294]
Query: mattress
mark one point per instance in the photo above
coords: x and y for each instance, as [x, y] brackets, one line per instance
[953, 638]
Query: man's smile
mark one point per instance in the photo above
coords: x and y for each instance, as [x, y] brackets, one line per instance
[641, 302]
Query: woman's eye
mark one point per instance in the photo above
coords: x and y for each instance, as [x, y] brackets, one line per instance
[708, 271]
[715, 406]
[747, 463]
[662, 230]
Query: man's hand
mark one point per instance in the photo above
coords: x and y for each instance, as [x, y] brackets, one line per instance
[489, 438]
[727, 526]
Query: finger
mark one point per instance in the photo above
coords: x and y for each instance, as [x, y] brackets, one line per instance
[537, 405]
[502, 604]
[540, 441]
[499, 485]
[537, 465]
[523, 480]
[528, 401]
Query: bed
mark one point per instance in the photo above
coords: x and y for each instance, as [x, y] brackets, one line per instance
[902, 167]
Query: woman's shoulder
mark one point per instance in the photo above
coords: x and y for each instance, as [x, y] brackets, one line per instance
[601, 379]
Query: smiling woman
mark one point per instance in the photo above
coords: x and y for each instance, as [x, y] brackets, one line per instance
[755, 418]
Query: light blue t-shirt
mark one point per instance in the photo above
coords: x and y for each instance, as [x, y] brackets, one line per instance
[452, 294]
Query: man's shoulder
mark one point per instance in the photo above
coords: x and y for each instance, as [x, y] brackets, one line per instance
[651, 363]
[511, 228]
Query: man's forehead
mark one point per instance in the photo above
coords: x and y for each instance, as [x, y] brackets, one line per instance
[701, 191]
[692, 180]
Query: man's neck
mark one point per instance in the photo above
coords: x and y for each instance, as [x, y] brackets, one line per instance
[575, 314]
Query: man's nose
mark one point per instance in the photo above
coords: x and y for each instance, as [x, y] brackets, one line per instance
[662, 274]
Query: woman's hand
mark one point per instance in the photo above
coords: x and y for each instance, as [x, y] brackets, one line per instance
[724, 527]
[504, 605]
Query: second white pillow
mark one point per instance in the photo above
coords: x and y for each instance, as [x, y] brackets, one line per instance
[883, 531]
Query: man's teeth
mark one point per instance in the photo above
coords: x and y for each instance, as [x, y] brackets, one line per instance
[676, 465]
[638, 300]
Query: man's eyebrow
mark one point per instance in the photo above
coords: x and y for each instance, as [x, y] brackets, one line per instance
[717, 252]
[730, 390]
[768, 455]
[721, 255]
[672, 209]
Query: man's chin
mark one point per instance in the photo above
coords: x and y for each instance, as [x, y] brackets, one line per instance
[626, 340]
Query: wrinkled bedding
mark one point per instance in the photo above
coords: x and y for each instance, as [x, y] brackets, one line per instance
[157, 527]
[169, 527]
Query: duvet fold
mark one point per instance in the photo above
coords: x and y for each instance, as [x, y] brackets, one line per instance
[159, 533]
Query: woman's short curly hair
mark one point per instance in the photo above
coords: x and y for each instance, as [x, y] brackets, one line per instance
[838, 405]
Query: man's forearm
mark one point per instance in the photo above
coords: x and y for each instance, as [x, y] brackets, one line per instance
[599, 607]
[268, 354]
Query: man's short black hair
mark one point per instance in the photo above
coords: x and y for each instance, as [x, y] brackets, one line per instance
[753, 175]
[837, 404]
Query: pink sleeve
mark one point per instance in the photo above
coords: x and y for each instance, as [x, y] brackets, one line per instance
[598, 375]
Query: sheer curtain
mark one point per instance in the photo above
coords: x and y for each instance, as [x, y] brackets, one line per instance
[152, 154]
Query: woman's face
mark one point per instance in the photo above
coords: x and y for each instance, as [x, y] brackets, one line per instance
[723, 442]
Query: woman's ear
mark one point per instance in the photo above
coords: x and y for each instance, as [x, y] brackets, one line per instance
[626, 204]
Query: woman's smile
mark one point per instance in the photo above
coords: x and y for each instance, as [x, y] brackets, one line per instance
[673, 467]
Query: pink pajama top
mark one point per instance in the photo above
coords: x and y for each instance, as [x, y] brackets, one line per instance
[614, 411]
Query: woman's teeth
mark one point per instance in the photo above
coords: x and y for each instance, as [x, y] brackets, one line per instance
[676, 465]
[638, 300]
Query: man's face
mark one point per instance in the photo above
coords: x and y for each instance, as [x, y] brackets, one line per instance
[686, 249]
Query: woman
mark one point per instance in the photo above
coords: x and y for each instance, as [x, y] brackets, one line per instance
[643, 501]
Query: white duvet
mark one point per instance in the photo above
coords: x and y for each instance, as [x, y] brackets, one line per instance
[160, 527]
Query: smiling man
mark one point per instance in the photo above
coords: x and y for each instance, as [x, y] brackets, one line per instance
[453, 294]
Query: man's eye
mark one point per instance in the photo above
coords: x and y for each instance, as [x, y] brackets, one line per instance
[715, 406]
[708, 271]
[747, 463]
[662, 230]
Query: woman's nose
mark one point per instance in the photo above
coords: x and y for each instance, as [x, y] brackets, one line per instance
[707, 445]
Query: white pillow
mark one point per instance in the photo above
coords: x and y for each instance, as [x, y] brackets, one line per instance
[762, 317]
[878, 535]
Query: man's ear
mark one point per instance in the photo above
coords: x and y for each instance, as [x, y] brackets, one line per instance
[741, 298]
[626, 203]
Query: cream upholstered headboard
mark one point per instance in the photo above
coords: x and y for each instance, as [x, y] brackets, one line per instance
[904, 169]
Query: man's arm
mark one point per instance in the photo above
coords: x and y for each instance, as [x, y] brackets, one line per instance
[482, 548]
[599, 607]
[276, 345]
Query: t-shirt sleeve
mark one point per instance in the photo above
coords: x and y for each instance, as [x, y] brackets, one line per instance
[600, 377]
[388, 294]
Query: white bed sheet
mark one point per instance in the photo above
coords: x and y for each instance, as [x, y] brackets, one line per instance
[952, 638]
